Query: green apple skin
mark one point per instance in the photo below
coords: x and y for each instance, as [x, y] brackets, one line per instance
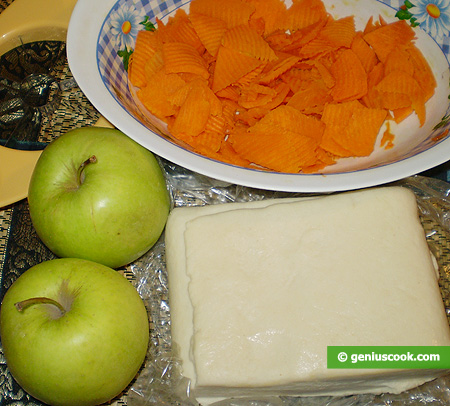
[112, 211]
[88, 355]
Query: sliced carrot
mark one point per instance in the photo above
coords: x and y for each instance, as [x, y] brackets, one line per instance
[339, 33]
[272, 12]
[153, 65]
[284, 151]
[350, 77]
[231, 65]
[422, 71]
[278, 68]
[399, 59]
[364, 52]
[210, 30]
[399, 81]
[311, 99]
[233, 12]
[155, 95]
[302, 36]
[147, 43]
[179, 28]
[244, 39]
[353, 127]
[180, 57]
[305, 12]
[389, 37]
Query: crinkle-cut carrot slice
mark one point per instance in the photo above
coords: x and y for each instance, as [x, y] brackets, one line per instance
[278, 40]
[324, 159]
[352, 127]
[400, 82]
[402, 113]
[251, 116]
[340, 32]
[336, 114]
[289, 118]
[193, 114]
[258, 25]
[275, 149]
[394, 100]
[327, 77]
[298, 78]
[303, 13]
[252, 76]
[375, 75]
[231, 65]
[350, 77]
[255, 95]
[147, 43]
[422, 71]
[362, 132]
[154, 96]
[278, 68]
[178, 97]
[233, 12]
[230, 110]
[272, 12]
[282, 90]
[246, 40]
[302, 36]
[215, 124]
[206, 143]
[312, 99]
[153, 65]
[179, 28]
[390, 37]
[315, 49]
[373, 99]
[180, 57]
[364, 52]
[228, 155]
[372, 25]
[229, 92]
[210, 30]
[329, 143]
[399, 60]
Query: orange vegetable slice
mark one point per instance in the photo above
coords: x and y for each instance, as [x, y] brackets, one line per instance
[350, 77]
[210, 30]
[147, 43]
[154, 96]
[305, 12]
[389, 37]
[231, 65]
[181, 57]
[272, 12]
[232, 12]
[246, 40]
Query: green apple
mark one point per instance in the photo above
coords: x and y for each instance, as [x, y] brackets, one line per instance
[74, 332]
[96, 194]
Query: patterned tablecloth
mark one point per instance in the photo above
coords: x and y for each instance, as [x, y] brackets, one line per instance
[20, 248]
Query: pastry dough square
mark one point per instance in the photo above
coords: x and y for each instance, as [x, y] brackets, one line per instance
[259, 290]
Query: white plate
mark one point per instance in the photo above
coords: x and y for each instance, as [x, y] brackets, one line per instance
[92, 50]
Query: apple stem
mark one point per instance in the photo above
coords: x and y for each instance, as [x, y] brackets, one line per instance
[20, 306]
[91, 160]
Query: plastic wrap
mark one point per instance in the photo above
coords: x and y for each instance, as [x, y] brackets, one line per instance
[160, 382]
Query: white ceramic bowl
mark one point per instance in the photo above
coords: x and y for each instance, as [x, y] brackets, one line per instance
[93, 45]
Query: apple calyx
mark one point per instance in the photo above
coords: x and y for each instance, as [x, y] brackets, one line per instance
[58, 309]
[91, 160]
